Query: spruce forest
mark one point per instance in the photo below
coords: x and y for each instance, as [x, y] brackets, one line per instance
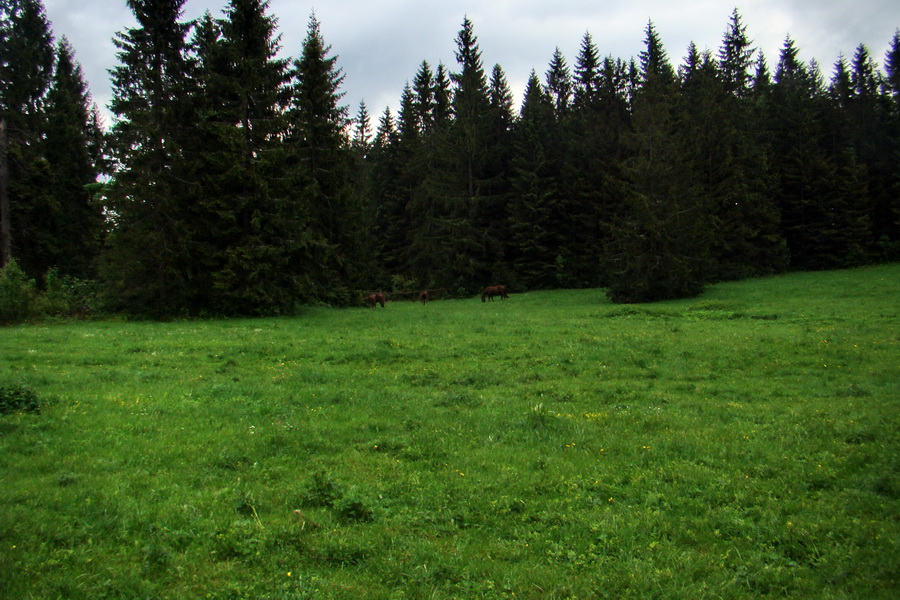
[235, 182]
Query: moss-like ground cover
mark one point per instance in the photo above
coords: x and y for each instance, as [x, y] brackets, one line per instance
[743, 444]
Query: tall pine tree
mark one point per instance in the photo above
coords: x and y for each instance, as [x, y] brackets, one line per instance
[659, 246]
[730, 164]
[592, 149]
[246, 232]
[890, 246]
[449, 245]
[26, 70]
[148, 264]
[536, 232]
[387, 201]
[819, 220]
[868, 117]
[74, 153]
[318, 146]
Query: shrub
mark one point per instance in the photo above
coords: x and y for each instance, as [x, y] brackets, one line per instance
[402, 283]
[68, 296]
[15, 397]
[17, 294]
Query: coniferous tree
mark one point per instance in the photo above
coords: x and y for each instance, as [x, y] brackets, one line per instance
[73, 150]
[386, 201]
[424, 97]
[736, 58]
[470, 110]
[442, 95]
[425, 217]
[501, 102]
[659, 245]
[410, 119]
[730, 164]
[796, 139]
[762, 81]
[362, 128]
[317, 142]
[890, 247]
[26, 69]
[840, 93]
[819, 222]
[361, 146]
[247, 233]
[710, 135]
[559, 84]
[759, 101]
[409, 208]
[208, 158]
[430, 113]
[385, 134]
[586, 83]
[867, 114]
[534, 217]
[147, 264]
[450, 242]
[590, 172]
[892, 71]
[492, 218]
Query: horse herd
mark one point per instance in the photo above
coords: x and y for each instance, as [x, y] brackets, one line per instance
[489, 292]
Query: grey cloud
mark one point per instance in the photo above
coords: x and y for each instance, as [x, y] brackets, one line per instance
[380, 45]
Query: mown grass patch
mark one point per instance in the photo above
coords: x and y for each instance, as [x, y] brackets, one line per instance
[739, 445]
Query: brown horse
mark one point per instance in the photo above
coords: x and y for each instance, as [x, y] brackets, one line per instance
[423, 296]
[372, 299]
[494, 290]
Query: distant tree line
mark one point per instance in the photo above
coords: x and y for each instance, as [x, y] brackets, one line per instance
[235, 182]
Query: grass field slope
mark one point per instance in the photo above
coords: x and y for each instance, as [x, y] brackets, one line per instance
[743, 444]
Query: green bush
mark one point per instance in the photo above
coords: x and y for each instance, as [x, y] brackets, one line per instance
[67, 296]
[402, 283]
[17, 294]
[15, 397]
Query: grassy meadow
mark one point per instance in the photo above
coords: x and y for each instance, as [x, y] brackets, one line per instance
[743, 444]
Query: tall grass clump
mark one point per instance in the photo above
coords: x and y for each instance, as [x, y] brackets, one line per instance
[742, 444]
[16, 397]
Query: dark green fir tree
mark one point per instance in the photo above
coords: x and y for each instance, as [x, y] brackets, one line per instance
[26, 71]
[247, 232]
[318, 147]
[74, 153]
[148, 262]
[659, 244]
[535, 219]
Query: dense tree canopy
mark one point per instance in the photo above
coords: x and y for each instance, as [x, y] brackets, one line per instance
[237, 183]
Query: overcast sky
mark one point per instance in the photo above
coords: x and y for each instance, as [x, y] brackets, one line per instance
[380, 44]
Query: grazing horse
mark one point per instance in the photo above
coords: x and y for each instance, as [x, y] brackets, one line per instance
[372, 299]
[494, 290]
[423, 296]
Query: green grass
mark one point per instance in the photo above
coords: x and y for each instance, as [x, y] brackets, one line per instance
[743, 444]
